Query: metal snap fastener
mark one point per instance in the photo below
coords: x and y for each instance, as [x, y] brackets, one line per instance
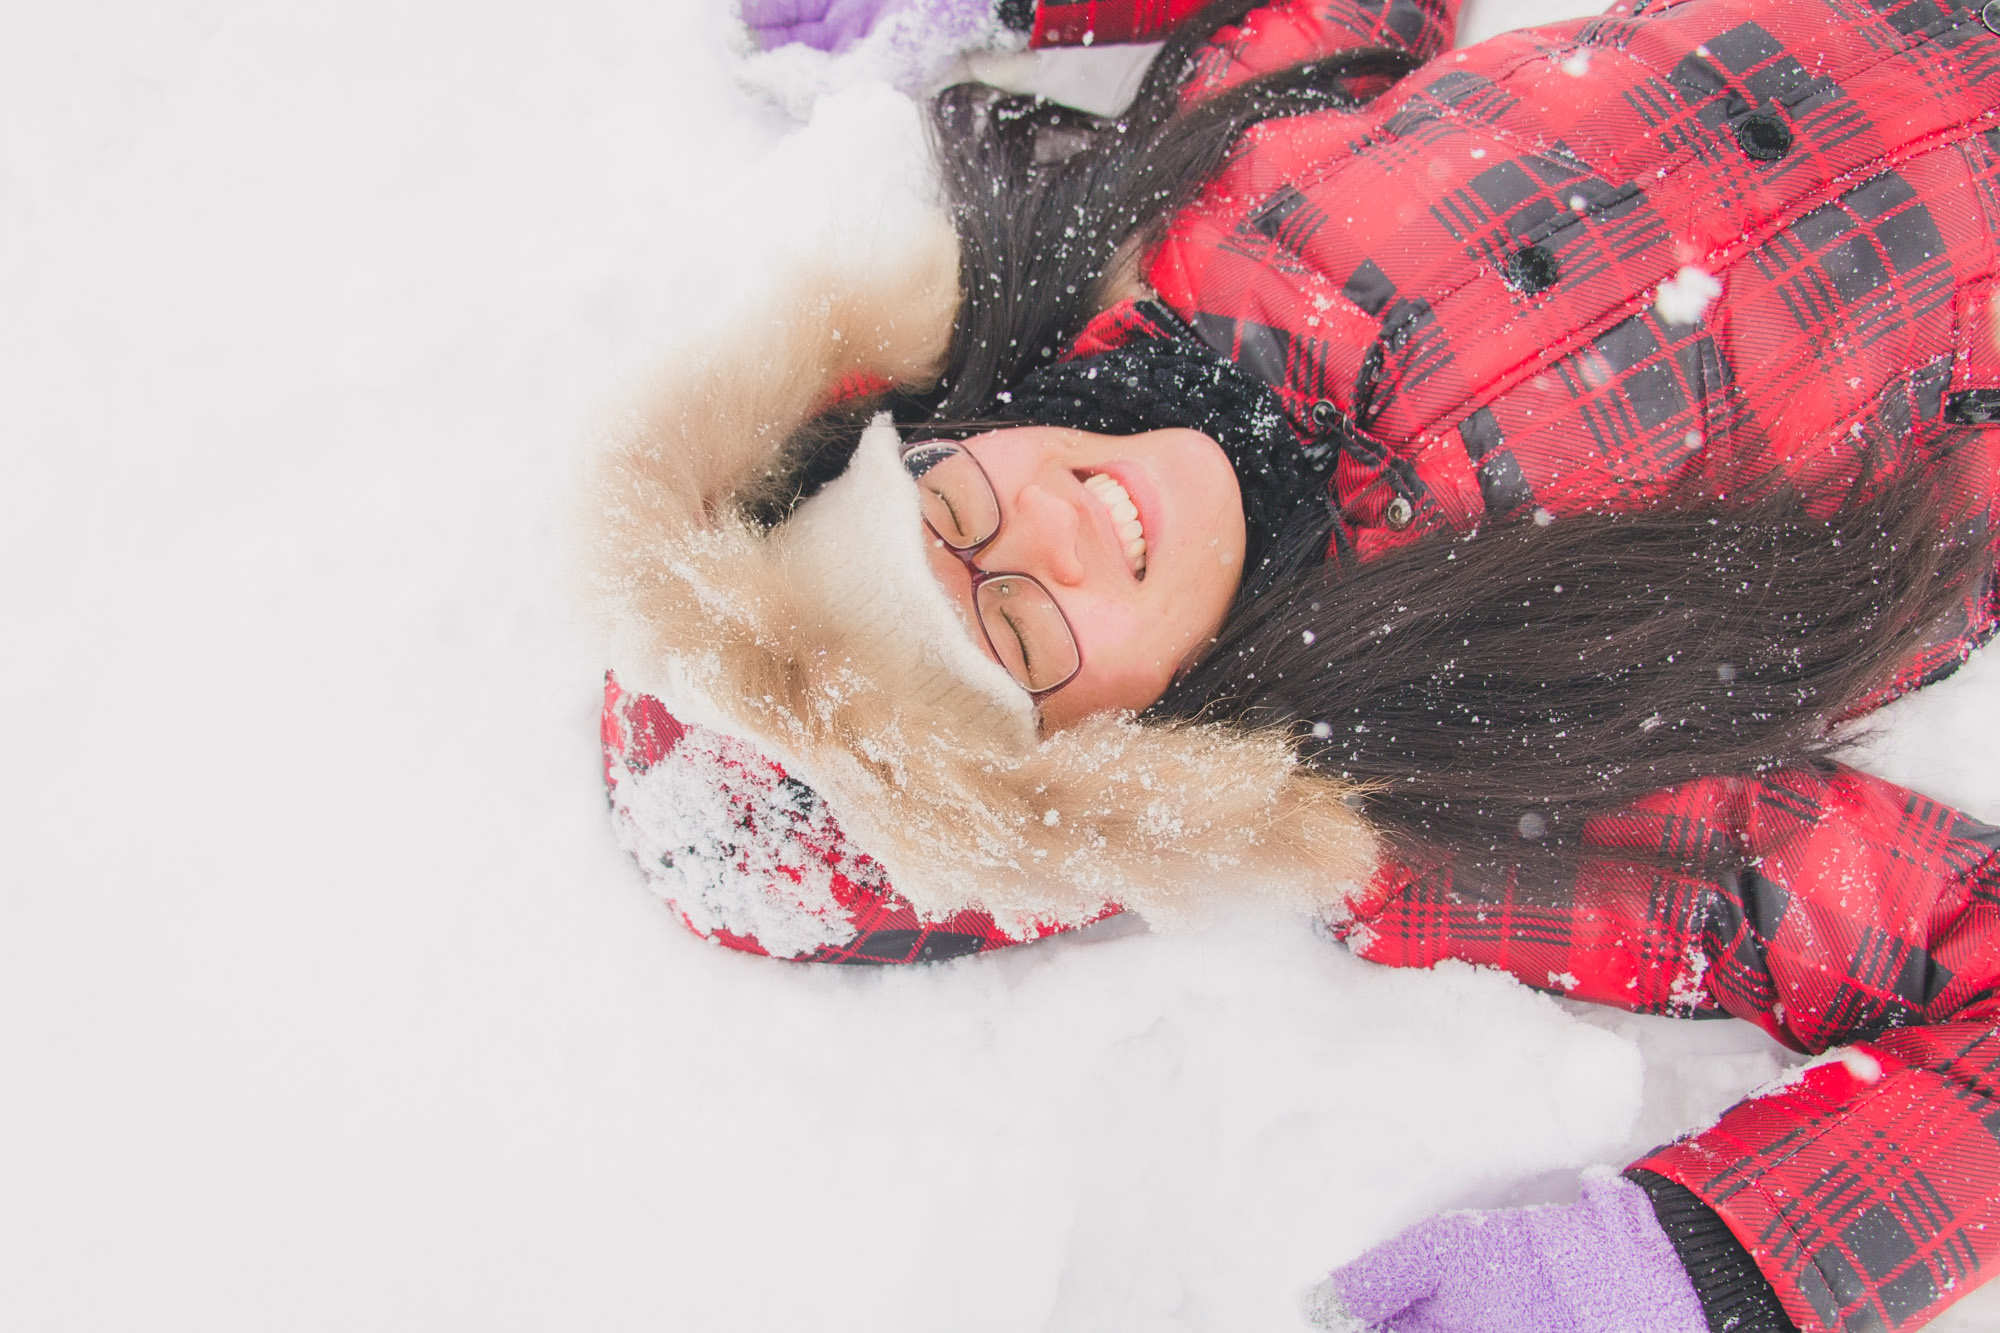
[1324, 414]
[1531, 270]
[1763, 136]
[1990, 16]
[1399, 513]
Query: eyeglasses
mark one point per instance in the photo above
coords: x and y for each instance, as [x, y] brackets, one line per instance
[1021, 621]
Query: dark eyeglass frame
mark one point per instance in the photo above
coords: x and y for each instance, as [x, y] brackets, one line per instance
[966, 555]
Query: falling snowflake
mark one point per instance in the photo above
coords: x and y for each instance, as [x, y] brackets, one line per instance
[1863, 1066]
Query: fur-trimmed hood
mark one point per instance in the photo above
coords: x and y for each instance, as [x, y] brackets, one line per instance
[961, 803]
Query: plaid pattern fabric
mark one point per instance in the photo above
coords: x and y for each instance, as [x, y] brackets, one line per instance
[1088, 22]
[1293, 29]
[1469, 272]
[763, 805]
[1868, 1190]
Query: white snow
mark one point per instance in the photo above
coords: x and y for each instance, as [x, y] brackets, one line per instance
[672, 808]
[1862, 1065]
[328, 999]
[1685, 297]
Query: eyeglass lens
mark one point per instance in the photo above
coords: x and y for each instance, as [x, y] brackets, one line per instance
[1022, 622]
[959, 503]
[1027, 631]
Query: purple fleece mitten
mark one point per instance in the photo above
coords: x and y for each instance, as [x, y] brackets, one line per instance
[835, 25]
[1599, 1265]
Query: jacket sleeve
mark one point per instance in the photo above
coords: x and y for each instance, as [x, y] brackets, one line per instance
[1276, 35]
[752, 859]
[1866, 1190]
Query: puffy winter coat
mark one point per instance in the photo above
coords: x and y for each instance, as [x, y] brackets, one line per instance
[1570, 269]
[1482, 273]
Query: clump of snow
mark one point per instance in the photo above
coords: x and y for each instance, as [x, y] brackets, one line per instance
[1685, 297]
[725, 852]
[916, 48]
[1941, 740]
[1324, 1308]
[1480, 19]
[1101, 80]
[1864, 1067]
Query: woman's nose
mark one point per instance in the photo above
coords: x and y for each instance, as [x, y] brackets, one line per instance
[1045, 531]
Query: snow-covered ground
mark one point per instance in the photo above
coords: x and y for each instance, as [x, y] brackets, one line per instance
[327, 1000]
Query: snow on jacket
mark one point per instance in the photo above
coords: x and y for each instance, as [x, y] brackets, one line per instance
[1469, 275]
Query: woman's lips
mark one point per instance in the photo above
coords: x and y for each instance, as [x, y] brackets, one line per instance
[1109, 492]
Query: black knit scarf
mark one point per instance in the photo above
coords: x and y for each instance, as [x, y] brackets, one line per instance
[1176, 379]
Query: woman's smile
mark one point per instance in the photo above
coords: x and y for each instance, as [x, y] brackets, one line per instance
[1117, 502]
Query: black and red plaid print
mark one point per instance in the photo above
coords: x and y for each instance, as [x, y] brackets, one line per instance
[1411, 25]
[1868, 1190]
[880, 926]
[1088, 22]
[1468, 271]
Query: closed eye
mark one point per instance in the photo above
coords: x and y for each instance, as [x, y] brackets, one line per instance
[1014, 628]
[957, 524]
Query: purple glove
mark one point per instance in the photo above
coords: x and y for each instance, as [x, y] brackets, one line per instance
[1599, 1265]
[824, 25]
[835, 25]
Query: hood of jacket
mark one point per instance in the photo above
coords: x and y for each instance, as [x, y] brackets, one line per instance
[951, 790]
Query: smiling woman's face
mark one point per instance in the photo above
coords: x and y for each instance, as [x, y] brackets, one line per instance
[1141, 610]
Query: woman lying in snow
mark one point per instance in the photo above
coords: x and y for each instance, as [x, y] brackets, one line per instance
[1458, 496]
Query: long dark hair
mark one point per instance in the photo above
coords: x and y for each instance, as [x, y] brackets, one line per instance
[1494, 691]
[1489, 693]
[1046, 199]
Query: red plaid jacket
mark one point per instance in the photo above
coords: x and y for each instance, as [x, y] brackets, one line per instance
[1466, 274]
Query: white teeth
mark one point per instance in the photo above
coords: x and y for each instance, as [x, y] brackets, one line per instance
[1124, 517]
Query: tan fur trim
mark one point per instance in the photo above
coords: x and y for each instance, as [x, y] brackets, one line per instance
[961, 810]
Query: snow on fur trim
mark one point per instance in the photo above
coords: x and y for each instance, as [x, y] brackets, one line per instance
[961, 804]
